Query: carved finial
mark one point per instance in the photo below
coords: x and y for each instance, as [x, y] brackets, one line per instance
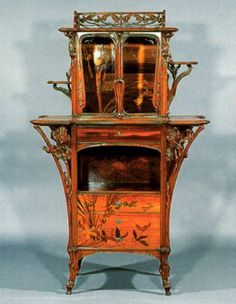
[72, 45]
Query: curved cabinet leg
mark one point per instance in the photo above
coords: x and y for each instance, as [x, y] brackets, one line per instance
[74, 267]
[165, 274]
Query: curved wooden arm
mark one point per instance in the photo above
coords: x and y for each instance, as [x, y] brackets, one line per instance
[173, 67]
[179, 142]
[61, 153]
[65, 91]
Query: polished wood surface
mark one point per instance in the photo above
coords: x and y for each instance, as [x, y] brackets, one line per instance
[119, 153]
[147, 119]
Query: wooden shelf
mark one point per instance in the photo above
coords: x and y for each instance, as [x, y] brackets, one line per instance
[109, 119]
[119, 29]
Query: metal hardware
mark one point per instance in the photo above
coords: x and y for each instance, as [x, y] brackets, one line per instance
[118, 204]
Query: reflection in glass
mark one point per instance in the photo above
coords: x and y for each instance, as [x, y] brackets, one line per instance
[99, 68]
[140, 55]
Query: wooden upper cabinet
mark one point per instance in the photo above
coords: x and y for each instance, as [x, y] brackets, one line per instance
[121, 65]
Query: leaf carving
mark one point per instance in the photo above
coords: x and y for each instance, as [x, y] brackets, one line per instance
[118, 236]
[142, 237]
[144, 243]
[144, 228]
[104, 236]
[125, 235]
[117, 233]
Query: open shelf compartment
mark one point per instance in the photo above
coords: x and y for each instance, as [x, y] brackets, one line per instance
[118, 168]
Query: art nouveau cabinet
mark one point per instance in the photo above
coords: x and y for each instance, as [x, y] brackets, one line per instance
[120, 152]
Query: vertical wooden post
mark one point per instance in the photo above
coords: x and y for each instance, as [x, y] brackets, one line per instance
[165, 58]
[119, 83]
[74, 178]
[163, 174]
[164, 88]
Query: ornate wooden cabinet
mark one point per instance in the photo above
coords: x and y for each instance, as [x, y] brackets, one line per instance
[120, 151]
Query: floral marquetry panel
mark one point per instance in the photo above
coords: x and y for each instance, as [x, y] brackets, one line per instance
[116, 219]
[111, 203]
[125, 230]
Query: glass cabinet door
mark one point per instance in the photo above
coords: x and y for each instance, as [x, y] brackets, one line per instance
[140, 55]
[99, 73]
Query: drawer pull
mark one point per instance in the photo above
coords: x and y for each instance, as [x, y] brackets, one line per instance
[118, 204]
[118, 222]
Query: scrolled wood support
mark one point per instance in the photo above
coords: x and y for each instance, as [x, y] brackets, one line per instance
[179, 141]
[173, 69]
[65, 91]
[61, 153]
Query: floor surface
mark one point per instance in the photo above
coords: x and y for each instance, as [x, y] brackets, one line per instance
[35, 271]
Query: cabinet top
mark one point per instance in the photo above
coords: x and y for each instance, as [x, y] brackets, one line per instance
[119, 21]
[109, 120]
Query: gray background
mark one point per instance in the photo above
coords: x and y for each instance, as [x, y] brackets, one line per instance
[33, 219]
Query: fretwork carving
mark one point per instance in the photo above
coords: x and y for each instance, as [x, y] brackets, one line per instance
[62, 148]
[122, 20]
[72, 43]
[176, 142]
[166, 52]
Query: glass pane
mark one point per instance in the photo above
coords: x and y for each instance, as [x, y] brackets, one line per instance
[99, 68]
[140, 54]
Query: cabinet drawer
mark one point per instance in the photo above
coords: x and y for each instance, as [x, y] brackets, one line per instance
[119, 202]
[121, 230]
[100, 134]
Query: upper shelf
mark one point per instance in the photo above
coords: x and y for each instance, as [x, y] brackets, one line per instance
[118, 29]
[137, 119]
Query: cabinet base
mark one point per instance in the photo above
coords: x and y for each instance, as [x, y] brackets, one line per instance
[77, 254]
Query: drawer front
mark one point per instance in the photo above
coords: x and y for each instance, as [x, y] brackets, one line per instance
[109, 134]
[121, 230]
[119, 202]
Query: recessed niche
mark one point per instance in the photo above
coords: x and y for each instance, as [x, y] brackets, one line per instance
[118, 168]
